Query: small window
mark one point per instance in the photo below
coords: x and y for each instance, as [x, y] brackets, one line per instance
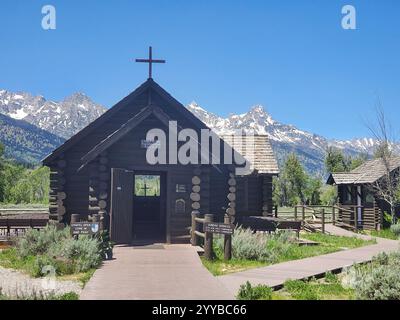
[347, 195]
[369, 198]
[147, 186]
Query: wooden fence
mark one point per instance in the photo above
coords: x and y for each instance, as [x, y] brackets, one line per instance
[198, 233]
[315, 218]
[14, 226]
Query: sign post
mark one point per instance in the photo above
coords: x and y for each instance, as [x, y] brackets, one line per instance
[208, 237]
[227, 240]
[226, 229]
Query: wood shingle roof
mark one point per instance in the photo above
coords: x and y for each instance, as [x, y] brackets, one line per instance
[257, 150]
[367, 173]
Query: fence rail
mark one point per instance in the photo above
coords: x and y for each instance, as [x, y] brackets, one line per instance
[14, 227]
[198, 224]
[313, 215]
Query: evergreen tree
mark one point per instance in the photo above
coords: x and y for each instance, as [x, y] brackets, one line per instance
[335, 161]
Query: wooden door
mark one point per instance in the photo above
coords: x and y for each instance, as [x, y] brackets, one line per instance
[121, 206]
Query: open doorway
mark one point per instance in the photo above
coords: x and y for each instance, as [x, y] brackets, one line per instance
[148, 207]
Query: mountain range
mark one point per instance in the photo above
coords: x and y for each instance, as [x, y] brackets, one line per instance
[310, 148]
[63, 119]
[32, 126]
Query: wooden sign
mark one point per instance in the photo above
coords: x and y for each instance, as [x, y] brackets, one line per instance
[221, 228]
[84, 228]
[180, 188]
[147, 143]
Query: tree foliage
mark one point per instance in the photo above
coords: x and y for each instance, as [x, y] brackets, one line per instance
[337, 161]
[19, 184]
[294, 186]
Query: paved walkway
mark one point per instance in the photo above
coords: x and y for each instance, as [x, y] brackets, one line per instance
[276, 275]
[154, 272]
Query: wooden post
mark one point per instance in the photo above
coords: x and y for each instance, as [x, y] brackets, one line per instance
[193, 241]
[227, 241]
[276, 211]
[208, 240]
[295, 212]
[333, 215]
[323, 220]
[303, 213]
[75, 218]
[356, 218]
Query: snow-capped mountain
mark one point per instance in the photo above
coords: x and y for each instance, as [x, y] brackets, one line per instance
[311, 148]
[67, 117]
[63, 118]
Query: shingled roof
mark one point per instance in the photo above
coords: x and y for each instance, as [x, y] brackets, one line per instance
[367, 173]
[256, 149]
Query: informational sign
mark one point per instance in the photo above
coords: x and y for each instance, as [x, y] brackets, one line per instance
[180, 188]
[147, 143]
[221, 228]
[84, 228]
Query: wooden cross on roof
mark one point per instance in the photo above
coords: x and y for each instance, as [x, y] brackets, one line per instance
[150, 61]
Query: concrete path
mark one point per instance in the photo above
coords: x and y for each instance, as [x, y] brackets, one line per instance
[276, 275]
[154, 272]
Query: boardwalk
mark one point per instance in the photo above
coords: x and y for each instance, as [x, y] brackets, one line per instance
[276, 275]
[154, 272]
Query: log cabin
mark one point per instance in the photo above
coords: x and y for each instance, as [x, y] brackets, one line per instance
[362, 205]
[103, 172]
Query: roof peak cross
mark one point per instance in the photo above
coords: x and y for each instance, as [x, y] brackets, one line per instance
[150, 61]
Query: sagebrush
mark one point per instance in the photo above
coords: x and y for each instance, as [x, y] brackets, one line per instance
[249, 245]
[249, 292]
[57, 248]
[395, 228]
[379, 280]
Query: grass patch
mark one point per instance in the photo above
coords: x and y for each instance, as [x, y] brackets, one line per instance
[22, 206]
[10, 259]
[384, 233]
[287, 252]
[218, 266]
[82, 277]
[328, 288]
[337, 241]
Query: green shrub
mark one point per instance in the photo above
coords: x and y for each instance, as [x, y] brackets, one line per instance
[395, 228]
[379, 280]
[259, 292]
[331, 278]
[67, 296]
[84, 252]
[57, 248]
[37, 242]
[248, 245]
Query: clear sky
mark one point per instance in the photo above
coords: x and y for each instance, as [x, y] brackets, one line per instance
[292, 56]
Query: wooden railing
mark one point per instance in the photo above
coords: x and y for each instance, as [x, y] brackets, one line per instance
[14, 227]
[198, 233]
[348, 216]
[344, 216]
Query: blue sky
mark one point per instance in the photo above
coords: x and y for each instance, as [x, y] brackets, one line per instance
[292, 56]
